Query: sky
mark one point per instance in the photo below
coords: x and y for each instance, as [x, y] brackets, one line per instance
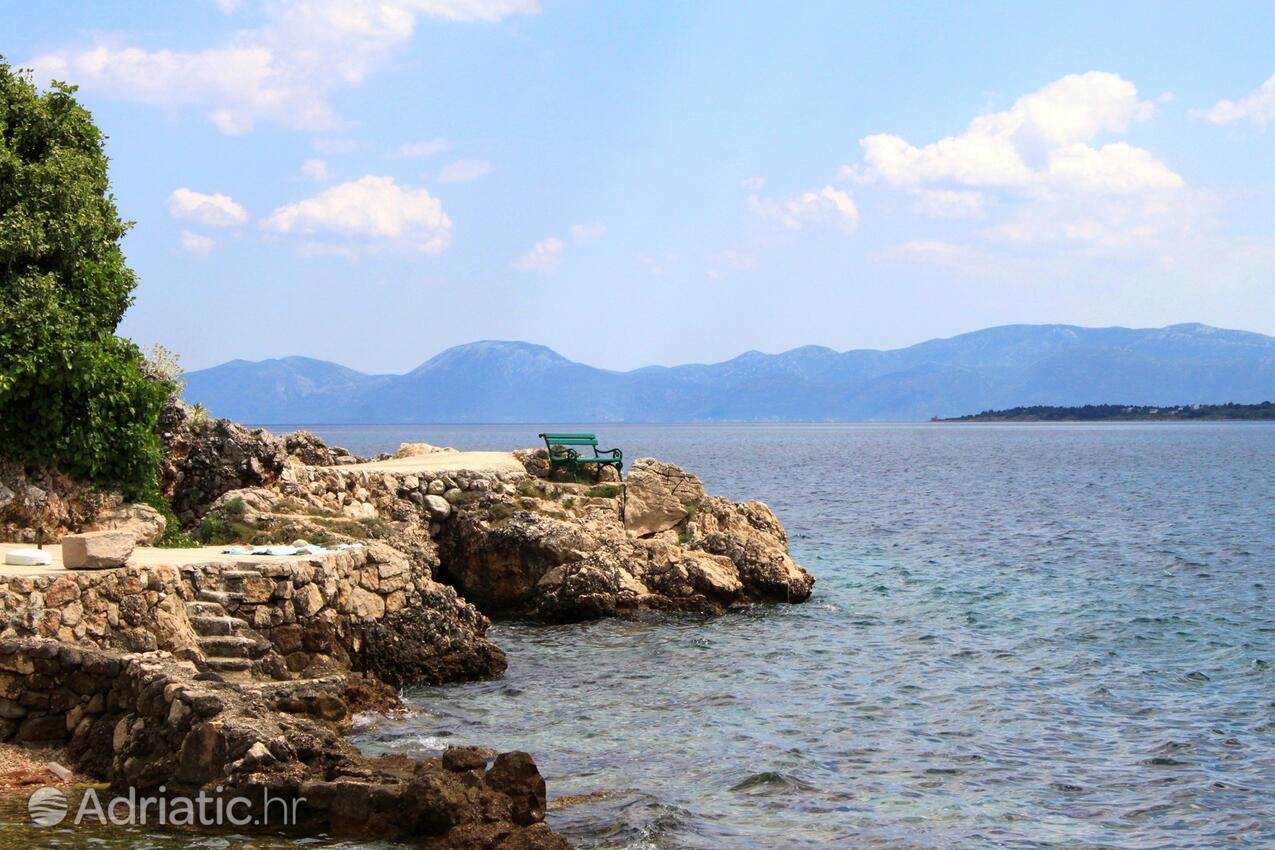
[660, 183]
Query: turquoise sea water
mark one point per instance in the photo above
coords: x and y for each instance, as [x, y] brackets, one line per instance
[1021, 636]
[1045, 636]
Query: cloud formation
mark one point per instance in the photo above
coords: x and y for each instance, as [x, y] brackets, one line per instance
[1043, 141]
[583, 232]
[314, 169]
[282, 72]
[464, 170]
[730, 260]
[371, 208]
[196, 244]
[543, 258]
[215, 210]
[427, 148]
[826, 206]
[1258, 108]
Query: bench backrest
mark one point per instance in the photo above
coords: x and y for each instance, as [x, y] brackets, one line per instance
[570, 439]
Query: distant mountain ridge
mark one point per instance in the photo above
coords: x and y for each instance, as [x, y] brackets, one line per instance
[1000, 367]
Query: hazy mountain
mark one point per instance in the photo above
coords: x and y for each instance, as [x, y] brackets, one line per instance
[993, 368]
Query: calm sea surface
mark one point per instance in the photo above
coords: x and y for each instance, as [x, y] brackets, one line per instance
[1022, 636]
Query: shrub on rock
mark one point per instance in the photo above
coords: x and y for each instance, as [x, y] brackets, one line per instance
[72, 394]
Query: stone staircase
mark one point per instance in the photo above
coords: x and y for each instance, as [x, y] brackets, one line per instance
[232, 648]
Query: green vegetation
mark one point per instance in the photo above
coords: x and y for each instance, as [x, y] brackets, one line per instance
[501, 511]
[526, 488]
[174, 537]
[1122, 412]
[603, 491]
[72, 394]
[569, 502]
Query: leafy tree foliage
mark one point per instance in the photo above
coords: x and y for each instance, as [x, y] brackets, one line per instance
[72, 394]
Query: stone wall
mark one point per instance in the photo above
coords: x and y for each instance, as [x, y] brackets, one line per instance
[290, 617]
[142, 722]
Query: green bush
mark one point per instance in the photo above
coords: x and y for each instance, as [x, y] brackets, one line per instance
[72, 394]
[604, 491]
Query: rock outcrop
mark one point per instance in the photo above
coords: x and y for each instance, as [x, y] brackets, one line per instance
[38, 504]
[144, 723]
[144, 523]
[569, 552]
[205, 458]
[658, 497]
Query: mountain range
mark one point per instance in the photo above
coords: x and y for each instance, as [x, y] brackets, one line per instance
[1008, 366]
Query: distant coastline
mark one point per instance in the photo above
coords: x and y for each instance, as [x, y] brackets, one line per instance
[1121, 413]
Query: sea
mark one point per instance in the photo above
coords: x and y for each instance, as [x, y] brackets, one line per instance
[1021, 636]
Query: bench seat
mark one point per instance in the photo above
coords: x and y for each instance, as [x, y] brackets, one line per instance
[561, 453]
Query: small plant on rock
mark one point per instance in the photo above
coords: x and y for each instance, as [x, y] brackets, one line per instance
[604, 491]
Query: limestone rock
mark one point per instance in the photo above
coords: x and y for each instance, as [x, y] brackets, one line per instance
[97, 550]
[442, 639]
[438, 507]
[522, 552]
[146, 524]
[42, 505]
[658, 497]
[418, 449]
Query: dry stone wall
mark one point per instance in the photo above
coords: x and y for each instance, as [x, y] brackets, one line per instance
[302, 615]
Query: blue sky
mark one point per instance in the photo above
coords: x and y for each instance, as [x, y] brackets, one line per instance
[669, 182]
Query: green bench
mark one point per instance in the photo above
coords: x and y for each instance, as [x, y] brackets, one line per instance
[563, 454]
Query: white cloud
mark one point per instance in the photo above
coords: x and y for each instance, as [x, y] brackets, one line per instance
[196, 244]
[314, 169]
[827, 206]
[369, 208]
[1258, 108]
[464, 170]
[948, 203]
[730, 260]
[1117, 223]
[1042, 141]
[753, 184]
[215, 210]
[951, 257]
[282, 72]
[543, 258]
[429, 148]
[583, 232]
[1117, 167]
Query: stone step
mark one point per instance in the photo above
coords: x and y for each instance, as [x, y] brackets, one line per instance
[232, 646]
[239, 575]
[228, 665]
[205, 609]
[225, 599]
[210, 626]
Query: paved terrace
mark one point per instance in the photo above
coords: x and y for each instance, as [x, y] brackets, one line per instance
[147, 556]
[442, 462]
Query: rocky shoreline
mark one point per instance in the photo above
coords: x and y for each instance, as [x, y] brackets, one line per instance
[242, 674]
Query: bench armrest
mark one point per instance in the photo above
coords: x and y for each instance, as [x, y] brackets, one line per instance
[615, 453]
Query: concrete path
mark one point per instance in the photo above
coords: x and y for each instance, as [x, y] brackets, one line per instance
[144, 556]
[443, 462]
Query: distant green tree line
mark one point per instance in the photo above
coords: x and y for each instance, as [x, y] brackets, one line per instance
[1115, 412]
